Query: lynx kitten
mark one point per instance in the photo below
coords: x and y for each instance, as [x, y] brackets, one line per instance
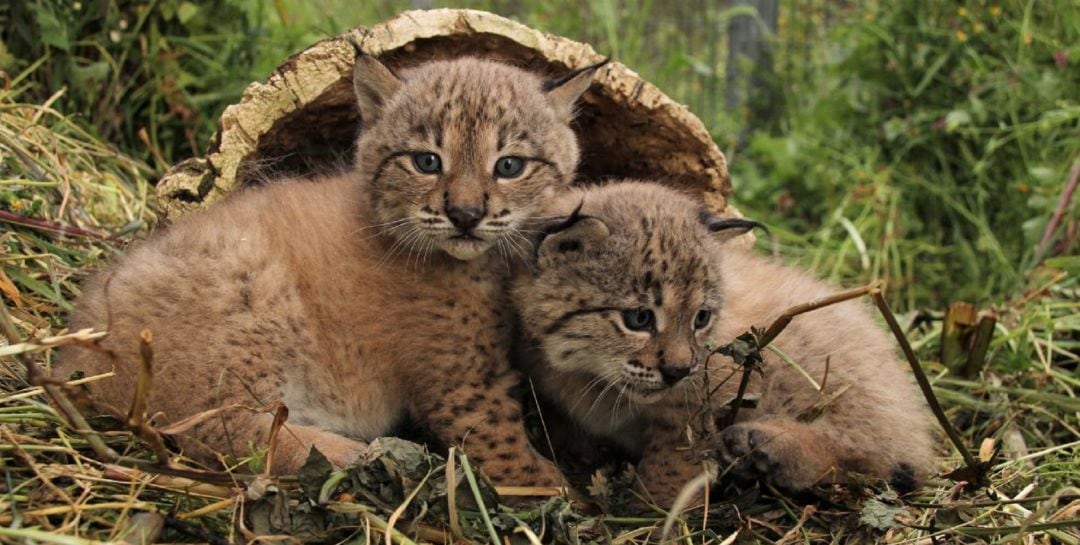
[355, 300]
[624, 299]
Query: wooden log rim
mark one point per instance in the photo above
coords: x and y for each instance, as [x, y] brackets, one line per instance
[303, 120]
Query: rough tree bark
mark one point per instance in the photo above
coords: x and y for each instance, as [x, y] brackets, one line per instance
[303, 120]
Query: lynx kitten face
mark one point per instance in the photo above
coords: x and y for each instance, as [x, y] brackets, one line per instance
[460, 152]
[622, 299]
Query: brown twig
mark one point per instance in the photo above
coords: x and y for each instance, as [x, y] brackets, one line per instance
[736, 403]
[47, 226]
[1059, 212]
[778, 325]
[281, 414]
[188, 486]
[924, 383]
[136, 417]
[782, 322]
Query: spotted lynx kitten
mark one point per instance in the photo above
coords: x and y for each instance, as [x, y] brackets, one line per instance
[355, 300]
[622, 302]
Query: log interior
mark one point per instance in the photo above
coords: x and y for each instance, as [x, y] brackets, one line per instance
[626, 127]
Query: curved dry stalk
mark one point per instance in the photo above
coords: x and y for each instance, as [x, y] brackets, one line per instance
[975, 470]
[746, 349]
[782, 322]
[136, 417]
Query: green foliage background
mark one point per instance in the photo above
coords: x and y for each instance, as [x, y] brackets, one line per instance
[925, 144]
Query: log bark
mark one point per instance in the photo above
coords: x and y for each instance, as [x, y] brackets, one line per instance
[303, 120]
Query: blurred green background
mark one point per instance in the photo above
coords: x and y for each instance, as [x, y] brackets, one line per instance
[926, 144]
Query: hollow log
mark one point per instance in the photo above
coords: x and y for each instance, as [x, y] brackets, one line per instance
[303, 120]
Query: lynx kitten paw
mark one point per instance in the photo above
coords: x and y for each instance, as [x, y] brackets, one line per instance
[785, 454]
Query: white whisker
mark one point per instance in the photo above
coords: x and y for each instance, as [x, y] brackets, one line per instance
[427, 250]
[377, 225]
[599, 397]
[502, 253]
[516, 248]
[399, 245]
[414, 245]
[387, 231]
[618, 401]
[592, 384]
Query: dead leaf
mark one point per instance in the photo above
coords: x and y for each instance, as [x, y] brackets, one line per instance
[9, 289]
[315, 471]
[879, 515]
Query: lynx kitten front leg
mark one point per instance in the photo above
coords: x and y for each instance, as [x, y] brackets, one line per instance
[788, 453]
[480, 414]
[667, 465]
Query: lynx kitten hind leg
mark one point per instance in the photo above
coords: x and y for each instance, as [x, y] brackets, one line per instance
[799, 437]
[239, 365]
[295, 441]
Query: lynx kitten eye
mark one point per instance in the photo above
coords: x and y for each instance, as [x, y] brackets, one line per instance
[702, 318]
[427, 162]
[638, 319]
[509, 167]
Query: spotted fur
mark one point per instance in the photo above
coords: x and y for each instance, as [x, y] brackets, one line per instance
[354, 300]
[638, 246]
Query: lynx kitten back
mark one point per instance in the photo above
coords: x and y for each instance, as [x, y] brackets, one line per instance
[355, 300]
[625, 298]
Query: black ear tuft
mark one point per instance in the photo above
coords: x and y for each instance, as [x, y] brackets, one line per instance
[561, 80]
[563, 225]
[568, 222]
[574, 234]
[563, 92]
[716, 225]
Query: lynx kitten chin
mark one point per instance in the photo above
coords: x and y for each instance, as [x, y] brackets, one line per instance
[355, 300]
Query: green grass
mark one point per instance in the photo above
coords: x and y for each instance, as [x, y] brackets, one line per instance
[939, 135]
[916, 143]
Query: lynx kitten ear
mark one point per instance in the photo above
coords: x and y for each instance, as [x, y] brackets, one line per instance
[573, 235]
[562, 92]
[729, 228]
[374, 84]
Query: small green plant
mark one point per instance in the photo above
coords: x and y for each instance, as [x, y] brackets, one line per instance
[150, 77]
